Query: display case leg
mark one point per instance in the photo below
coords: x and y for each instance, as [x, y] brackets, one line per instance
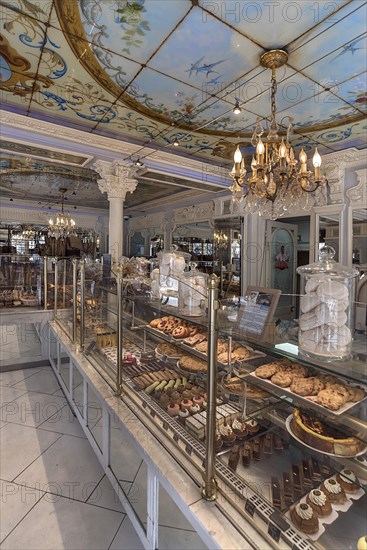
[209, 491]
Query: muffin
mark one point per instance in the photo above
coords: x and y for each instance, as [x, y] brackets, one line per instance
[173, 409]
[195, 408]
[239, 427]
[252, 426]
[227, 434]
[305, 519]
[348, 481]
[186, 404]
[319, 503]
[333, 491]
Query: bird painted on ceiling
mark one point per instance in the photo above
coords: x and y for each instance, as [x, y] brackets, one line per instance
[205, 68]
[350, 47]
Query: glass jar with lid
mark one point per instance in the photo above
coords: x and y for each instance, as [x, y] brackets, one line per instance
[326, 308]
[172, 265]
[192, 293]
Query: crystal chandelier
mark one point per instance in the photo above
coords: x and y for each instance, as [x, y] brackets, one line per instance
[276, 183]
[63, 225]
[220, 239]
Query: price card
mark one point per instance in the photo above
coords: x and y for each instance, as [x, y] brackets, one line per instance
[274, 531]
[144, 405]
[152, 414]
[175, 438]
[165, 425]
[250, 507]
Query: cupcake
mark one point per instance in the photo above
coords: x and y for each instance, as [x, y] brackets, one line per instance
[186, 394]
[227, 434]
[218, 441]
[319, 503]
[183, 413]
[173, 409]
[348, 481]
[333, 491]
[252, 426]
[186, 404]
[195, 408]
[198, 400]
[305, 519]
[239, 427]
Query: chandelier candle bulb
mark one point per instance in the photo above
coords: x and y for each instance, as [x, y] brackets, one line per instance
[317, 163]
[303, 161]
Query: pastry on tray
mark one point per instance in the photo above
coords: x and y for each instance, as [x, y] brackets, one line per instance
[323, 437]
[304, 518]
[334, 491]
[170, 350]
[319, 502]
[348, 481]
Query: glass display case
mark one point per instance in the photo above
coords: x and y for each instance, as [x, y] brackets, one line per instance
[290, 431]
[20, 280]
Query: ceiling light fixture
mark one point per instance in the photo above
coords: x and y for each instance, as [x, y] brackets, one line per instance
[176, 143]
[276, 184]
[237, 109]
[63, 225]
[138, 163]
[220, 239]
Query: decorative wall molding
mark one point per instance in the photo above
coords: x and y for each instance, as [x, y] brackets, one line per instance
[357, 195]
[334, 167]
[195, 213]
[152, 221]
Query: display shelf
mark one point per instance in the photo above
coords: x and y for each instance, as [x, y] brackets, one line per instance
[246, 487]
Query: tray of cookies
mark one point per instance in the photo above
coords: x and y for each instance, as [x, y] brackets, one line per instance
[326, 391]
[175, 327]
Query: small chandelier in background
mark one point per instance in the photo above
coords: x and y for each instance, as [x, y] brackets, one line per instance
[220, 239]
[276, 184]
[63, 225]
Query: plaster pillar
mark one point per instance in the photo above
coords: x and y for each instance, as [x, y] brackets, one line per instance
[117, 179]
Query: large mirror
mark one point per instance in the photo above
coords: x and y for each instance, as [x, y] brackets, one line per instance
[359, 235]
[227, 253]
[197, 239]
[146, 242]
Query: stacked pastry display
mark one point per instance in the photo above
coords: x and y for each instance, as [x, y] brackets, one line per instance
[192, 294]
[323, 322]
[171, 267]
[326, 390]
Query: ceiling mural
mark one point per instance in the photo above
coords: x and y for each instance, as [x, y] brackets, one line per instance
[152, 71]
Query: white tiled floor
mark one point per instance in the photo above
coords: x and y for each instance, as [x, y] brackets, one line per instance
[53, 492]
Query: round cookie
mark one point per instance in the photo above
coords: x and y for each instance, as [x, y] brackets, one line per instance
[318, 385]
[309, 339]
[308, 321]
[282, 379]
[302, 386]
[266, 371]
[309, 302]
[327, 315]
[180, 332]
[332, 289]
[155, 322]
[314, 282]
[356, 394]
[341, 389]
[330, 399]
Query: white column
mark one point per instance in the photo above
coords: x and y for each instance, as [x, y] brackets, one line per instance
[117, 179]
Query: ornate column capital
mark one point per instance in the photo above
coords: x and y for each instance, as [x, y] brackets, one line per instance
[117, 178]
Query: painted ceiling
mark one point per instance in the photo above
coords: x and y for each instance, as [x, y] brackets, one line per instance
[152, 71]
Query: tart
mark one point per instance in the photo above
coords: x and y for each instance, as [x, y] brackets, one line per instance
[322, 437]
[333, 491]
[348, 481]
[192, 364]
[319, 503]
[305, 519]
